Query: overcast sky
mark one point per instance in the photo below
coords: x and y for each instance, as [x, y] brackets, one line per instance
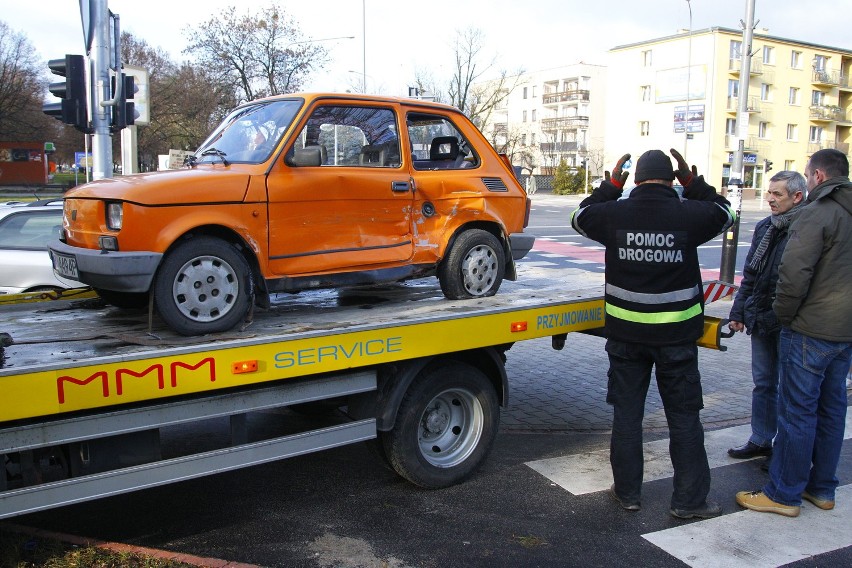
[404, 36]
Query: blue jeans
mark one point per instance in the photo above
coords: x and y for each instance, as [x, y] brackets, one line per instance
[811, 418]
[764, 396]
[679, 384]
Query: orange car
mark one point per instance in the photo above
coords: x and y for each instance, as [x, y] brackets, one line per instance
[301, 191]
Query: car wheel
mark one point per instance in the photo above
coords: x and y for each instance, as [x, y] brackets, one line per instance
[125, 300]
[203, 286]
[474, 267]
[445, 426]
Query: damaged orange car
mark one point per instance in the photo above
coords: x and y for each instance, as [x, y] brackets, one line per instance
[295, 192]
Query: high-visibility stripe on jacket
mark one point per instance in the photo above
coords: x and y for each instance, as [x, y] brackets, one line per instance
[653, 280]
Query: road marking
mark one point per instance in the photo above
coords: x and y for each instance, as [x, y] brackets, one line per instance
[590, 472]
[760, 540]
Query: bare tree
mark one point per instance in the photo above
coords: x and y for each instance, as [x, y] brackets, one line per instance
[477, 101]
[186, 101]
[259, 54]
[22, 90]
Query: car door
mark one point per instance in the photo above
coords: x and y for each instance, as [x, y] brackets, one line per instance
[347, 207]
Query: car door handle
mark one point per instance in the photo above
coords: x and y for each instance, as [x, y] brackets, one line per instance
[399, 186]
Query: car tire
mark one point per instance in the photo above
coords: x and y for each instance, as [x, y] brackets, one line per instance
[474, 267]
[204, 285]
[124, 300]
[445, 427]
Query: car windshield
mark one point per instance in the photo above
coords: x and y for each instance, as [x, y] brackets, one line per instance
[249, 134]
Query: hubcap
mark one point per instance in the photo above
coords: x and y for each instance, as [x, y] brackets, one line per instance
[479, 270]
[450, 427]
[206, 288]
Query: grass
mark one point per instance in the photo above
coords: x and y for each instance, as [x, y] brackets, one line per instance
[19, 550]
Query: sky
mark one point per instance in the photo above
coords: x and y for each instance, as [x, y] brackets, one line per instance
[393, 40]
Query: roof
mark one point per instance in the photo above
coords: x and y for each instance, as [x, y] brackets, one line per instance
[719, 29]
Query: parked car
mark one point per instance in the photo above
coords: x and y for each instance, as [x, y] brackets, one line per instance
[25, 229]
[302, 191]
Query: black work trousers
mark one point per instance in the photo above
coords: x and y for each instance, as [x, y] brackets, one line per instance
[679, 384]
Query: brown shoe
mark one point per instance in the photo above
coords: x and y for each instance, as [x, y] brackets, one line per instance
[824, 504]
[758, 501]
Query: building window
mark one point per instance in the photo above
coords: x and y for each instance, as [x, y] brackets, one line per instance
[644, 128]
[763, 130]
[817, 98]
[815, 134]
[768, 55]
[736, 49]
[792, 132]
[794, 96]
[532, 139]
[523, 139]
[525, 92]
[646, 93]
[533, 115]
[524, 116]
[796, 59]
[733, 88]
[819, 62]
[790, 165]
[731, 126]
[533, 90]
[646, 58]
[764, 92]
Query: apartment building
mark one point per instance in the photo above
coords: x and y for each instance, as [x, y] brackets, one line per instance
[683, 91]
[552, 115]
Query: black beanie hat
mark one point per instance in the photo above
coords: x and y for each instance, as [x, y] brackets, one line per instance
[653, 164]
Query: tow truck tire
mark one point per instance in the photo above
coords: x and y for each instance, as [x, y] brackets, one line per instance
[474, 267]
[445, 426]
[203, 286]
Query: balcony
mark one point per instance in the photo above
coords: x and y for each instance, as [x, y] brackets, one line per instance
[822, 113]
[752, 105]
[824, 144]
[562, 147]
[565, 122]
[500, 128]
[825, 77]
[734, 66]
[751, 143]
[575, 95]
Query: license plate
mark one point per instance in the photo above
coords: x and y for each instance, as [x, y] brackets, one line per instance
[65, 266]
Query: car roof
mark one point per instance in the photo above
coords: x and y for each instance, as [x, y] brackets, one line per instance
[9, 207]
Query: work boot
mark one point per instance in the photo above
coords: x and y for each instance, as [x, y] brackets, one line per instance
[758, 501]
[626, 505]
[824, 504]
[707, 511]
[749, 450]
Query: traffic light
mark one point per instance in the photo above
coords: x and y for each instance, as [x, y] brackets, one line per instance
[124, 112]
[583, 164]
[74, 107]
[767, 166]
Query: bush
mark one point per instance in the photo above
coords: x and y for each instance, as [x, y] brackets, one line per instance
[566, 182]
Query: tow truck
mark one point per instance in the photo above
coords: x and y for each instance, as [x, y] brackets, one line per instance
[92, 395]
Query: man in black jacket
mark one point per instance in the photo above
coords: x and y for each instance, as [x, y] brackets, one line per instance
[654, 315]
[752, 309]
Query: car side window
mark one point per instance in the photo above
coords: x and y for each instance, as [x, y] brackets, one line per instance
[351, 136]
[436, 144]
[29, 231]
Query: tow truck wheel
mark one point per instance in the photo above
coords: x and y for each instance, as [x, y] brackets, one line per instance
[203, 286]
[474, 267]
[445, 426]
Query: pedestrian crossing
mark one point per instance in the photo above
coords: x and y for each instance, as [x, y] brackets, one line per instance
[744, 538]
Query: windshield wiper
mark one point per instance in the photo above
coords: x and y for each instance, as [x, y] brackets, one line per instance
[215, 152]
[190, 161]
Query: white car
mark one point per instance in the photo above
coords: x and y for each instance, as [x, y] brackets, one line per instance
[25, 229]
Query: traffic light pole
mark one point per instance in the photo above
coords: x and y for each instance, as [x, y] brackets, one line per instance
[101, 92]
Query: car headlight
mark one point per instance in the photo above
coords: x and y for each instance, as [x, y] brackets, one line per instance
[114, 215]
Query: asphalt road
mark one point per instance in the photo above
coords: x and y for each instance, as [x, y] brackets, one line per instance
[344, 508]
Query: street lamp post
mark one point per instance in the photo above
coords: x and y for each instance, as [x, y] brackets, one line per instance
[688, 80]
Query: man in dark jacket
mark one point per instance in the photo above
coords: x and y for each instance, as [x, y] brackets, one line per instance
[654, 315]
[752, 308]
[812, 303]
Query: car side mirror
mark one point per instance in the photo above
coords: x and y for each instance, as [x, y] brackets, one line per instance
[309, 156]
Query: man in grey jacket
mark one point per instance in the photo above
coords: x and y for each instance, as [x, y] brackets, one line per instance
[812, 303]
